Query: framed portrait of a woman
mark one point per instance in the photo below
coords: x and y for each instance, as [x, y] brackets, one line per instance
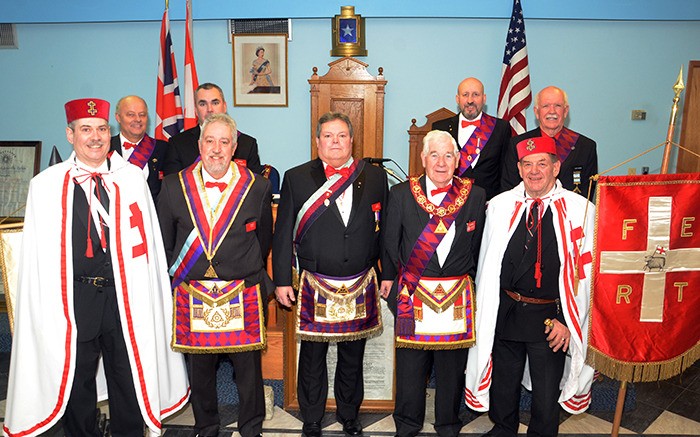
[260, 70]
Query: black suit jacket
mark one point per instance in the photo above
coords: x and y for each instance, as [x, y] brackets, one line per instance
[583, 157]
[155, 163]
[329, 247]
[405, 221]
[184, 150]
[487, 171]
[242, 254]
[520, 321]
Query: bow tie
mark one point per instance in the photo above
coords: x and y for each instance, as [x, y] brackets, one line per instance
[128, 146]
[437, 191]
[343, 172]
[466, 123]
[220, 185]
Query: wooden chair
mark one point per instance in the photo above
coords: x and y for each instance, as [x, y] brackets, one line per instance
[415, 138]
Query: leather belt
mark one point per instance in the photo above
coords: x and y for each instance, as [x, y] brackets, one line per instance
[95, 281]
[520, 298]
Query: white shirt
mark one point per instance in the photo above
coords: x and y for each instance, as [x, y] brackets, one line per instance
[213, 193]
[464, 133]
[445, 245]
[344, 201]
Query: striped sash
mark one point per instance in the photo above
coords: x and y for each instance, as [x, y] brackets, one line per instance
[323, 198]
[139, 157]
[565, 141]
[476, 142]
[204, 236]
[440, 221]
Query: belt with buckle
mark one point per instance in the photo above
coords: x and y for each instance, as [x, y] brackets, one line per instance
[95, 281]
[520, 298]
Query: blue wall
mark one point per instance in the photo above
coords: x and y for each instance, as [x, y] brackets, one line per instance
[608, 68]
[70, 11]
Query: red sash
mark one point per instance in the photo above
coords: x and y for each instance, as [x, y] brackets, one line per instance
[565, 141]
[476, 142]
[323, 198]
[442, 218]
[141, 154]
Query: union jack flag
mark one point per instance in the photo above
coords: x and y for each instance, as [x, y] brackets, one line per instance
[168, 108]
[515, 95]
[191, 81]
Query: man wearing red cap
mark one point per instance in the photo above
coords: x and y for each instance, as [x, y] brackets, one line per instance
[533, 299]
[93, 284]
[134, 145]
[577, 153]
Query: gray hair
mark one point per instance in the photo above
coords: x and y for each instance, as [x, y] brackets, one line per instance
[221, 118]
[331, 116]
[436, 136]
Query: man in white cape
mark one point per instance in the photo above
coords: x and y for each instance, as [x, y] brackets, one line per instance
[124, 235]
[536, 328]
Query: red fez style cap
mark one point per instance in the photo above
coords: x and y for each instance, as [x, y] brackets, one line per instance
[534, 145]
[87, 108]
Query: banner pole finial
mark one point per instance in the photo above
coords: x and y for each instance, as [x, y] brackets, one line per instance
[677, 89]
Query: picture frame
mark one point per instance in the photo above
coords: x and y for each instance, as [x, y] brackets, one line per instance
[19, 163]
[260, 70]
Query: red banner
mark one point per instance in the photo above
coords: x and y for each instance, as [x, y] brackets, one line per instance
[646, 276]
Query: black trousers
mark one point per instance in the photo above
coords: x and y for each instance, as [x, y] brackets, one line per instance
[546, 370]
[413, 368]
[312, 379]
[102, 335]
[251, 408]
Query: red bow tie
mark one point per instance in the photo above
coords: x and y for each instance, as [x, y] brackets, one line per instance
[128, 146]
[330, 171]
[220, 185]
[437, 191]
[466, 123]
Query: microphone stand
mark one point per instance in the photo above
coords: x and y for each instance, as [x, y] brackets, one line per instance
[390, 172]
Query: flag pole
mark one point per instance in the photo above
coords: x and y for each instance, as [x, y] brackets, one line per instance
[677, 88]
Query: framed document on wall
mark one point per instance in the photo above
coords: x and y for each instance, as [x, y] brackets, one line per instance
[19, 163]
[260, 70]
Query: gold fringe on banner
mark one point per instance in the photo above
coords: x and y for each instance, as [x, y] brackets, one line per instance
[641, 372]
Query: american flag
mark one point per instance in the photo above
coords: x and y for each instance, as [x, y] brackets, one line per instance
[515, 95]
[191, 81]
[168, 108]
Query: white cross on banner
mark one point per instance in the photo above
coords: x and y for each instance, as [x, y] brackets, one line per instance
[646, 271]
